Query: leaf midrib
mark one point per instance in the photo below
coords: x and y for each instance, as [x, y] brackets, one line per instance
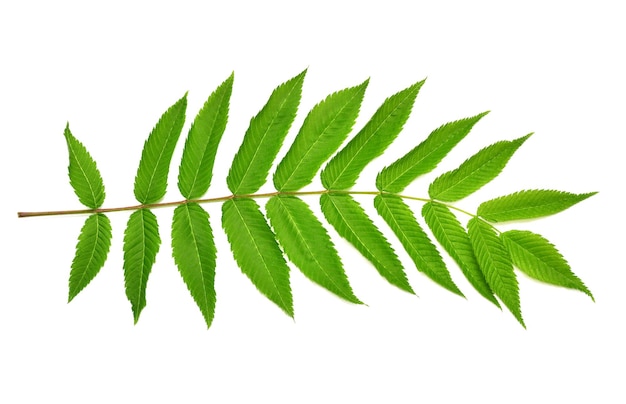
[417, 163]
[258, 251]
[376, 130]
[455, 173]
[319, 139]
[142, 267]
[158, 161]
[319, 265]
[496, 271]
[404, 239]
[93, 250]
[195, 245]
[80, 166]
[204, 153]
[501, 211]
[541, 263]
[264, 136]
[356, 234]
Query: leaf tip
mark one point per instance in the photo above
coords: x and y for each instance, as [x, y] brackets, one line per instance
[417, 86]
[588, 195]
[522, 139]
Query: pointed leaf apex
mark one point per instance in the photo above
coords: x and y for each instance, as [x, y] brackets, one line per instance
[524, 138]
[418, 85]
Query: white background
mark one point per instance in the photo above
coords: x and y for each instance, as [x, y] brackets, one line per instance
[553, 68]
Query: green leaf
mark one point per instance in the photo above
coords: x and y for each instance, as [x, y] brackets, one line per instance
[475, 172]
[495, 262]
[255, 249]
[528, 204]
[352, 223]
[323, 131]
[194, 252]
[539, 259]
[154, 166]
[424, 157]
[415, 241]
[84, 175]
[264, 137]
[454, 239]
[308, 245]
[93, 246]
[141, 244]
[196, 166]
[344, 169]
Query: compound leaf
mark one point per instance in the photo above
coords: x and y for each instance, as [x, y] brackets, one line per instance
[308, 245]
[323, 131]
[415, 241]
[539, 259]
[194, 252]
[475, 172]
[528, 204]
[352, 223]
[495, 262]
[92, 249]
[141, 244]
[454, 239]
[344, 168]
[425, 156]
[196, 166]
[264, 137]
[154, 166]
[84, 175]
[255, 249]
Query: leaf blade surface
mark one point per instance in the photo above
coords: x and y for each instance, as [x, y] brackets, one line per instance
[324, 129]
[475, 172]
[454, 239]
[426, 156]
[264, 137]
[308, 245]
[92, 249]
[196, 166]
[154, 166]
[539, 259]
[495, 262]
[352, 223]
[528, 204]
[256, 251]
[84, 175]
[194, 252]
[414, 240]
[141, 245]
[381, 130]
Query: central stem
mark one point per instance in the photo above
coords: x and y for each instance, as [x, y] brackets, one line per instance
[225, 198]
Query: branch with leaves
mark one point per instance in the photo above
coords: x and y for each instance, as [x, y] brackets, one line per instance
[262, 241]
